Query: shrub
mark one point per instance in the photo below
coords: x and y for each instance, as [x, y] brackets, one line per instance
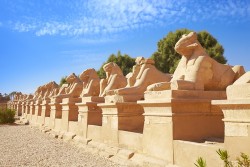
[7, 116]
[200, 162]
[224, 157]
[242, 161]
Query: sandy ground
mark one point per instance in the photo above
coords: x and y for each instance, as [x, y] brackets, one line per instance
[23, 146]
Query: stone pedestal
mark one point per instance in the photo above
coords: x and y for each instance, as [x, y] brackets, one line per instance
[126, 116]
[9, 104]
[179, 115]
[89, 114]
[55, 111]
[19, 108]
[123, 98]
[23, 110]
[237, 125]
[45, 113]
[15, 105]
[69, 112]
[27, 110]
[32, 110]
[38, 110]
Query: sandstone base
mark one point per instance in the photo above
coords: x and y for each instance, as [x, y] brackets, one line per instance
[237, 125]
[55, 112]
[89, 114]
[179, 115]
[69, 112]
[120, 116]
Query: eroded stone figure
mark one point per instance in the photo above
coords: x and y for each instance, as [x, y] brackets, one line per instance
[29, 97]
[53, 89]
[114, 78]
[91, 83]
[144, 74]
[240, 88]
[131, 77]
[62, 89]
[23, 97]
[17, 96]
[37, 93]
[46, 91]
[20, 96]
[73, 89]
[196, 69]
[42, 91]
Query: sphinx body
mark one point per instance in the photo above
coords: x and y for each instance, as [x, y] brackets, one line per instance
[29, 97]
[23, 97]
[240, 88]
[131, 77]
[62, 89]
[17, 96]
[144, 74]
[41, 93]
[196, 69]
[91, 83]
[114, 78]
[73, 90]
[47, 91]
[53, 89]
[37, 93]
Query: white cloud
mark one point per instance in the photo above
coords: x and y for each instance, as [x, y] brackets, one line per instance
[104, 17]
[23, 27]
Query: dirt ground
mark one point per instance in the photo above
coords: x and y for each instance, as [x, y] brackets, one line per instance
[22, 146]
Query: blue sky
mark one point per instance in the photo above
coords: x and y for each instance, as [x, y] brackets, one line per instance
[43, 40]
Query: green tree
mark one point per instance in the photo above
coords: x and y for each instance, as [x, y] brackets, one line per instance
[63, 80]
[125, 62]
[167, 59]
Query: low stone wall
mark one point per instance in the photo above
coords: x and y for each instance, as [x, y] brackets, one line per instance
[167, 127]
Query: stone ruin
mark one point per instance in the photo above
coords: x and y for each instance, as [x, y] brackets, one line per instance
[149, 118]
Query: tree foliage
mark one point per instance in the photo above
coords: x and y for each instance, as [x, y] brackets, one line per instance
[7, 116]
[63, 80]
[4, 97]
[166, 58]
[125, 62]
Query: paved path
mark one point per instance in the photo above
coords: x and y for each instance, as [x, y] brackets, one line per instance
[23, 146]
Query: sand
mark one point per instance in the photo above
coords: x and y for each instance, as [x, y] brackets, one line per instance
[23, 146]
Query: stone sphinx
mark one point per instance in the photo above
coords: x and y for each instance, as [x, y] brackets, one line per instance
[17, 96]
[29, 97]
[240, 88]
[144, 74]
[73, 89]
[23, 97]
[62, 89]
[114, 78]
[91, 83]
[53, 89]
[196, 69]
[41, 93]
[47, 90]
[37, 93]
[131, 77]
